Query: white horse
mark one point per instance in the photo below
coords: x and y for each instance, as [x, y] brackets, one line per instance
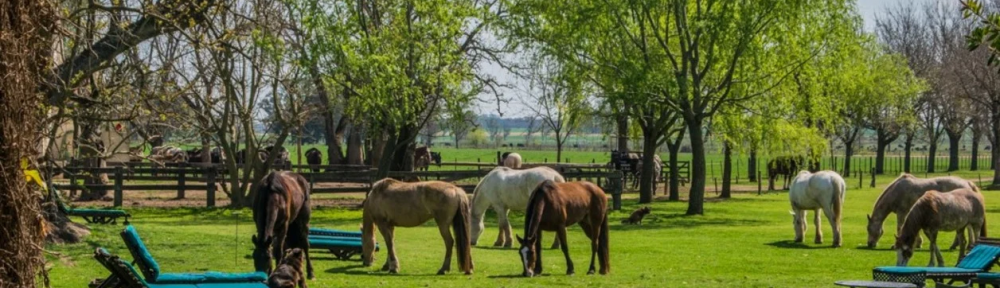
[822, 190]
[513, 160]
[504, 189]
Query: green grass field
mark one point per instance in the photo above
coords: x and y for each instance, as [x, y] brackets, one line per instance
[740, 242]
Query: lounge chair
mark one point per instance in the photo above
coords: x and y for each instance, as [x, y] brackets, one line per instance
[342, 244]
[151, 269]
[125, 275]
[979, 260]
[99, 216]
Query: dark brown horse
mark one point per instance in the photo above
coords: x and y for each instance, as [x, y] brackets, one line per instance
[787, 166]
[314, 157]
[552, 207]
[421, 158]
[281, 212]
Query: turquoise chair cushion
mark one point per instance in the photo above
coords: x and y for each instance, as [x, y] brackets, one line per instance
[981, 257]
[145, 261]
[320, 237]
[914, 269]
[210, 277]
[97, 212]
[334, 232]
[991, 276]
[332, 243]
[233, 285]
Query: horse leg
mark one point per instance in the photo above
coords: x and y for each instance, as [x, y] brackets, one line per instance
[449, 242]
[538, 254]
[817, 221]
[503, 238]
[799, 224]
[561, 235]
[834, 225]
[391, 263]
[591, 231]
[935, 251]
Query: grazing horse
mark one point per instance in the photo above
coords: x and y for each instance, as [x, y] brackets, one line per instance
[505, 189]
[637, 170]
[421, 158]
[782, 166]
[168, 154]
[900, 195]
[512, 160]
[281, 213]
[957, 210]
[314, 157]
[394, 203]
[812, 191]
[436, 158]
[552, 207]
[281, 161]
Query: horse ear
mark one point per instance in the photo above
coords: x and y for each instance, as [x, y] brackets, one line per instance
[869, 217]
[253, 239]
[519, 239]
[791, 212]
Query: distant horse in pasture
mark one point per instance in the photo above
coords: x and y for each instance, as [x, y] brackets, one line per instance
[823, 190]
[314, 157]
[511, 160]
[168, 154]
[783, 166]
[393, 203]
[281, 214]
[421, 158]
[552, 207]
[958, 210]
[900, 196]
[638, 168]
[436, 158]
[281, 160]
[505, 189]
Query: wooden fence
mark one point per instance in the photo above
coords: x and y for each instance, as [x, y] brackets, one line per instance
[207, 177]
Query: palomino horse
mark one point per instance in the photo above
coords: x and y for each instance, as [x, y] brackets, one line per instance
[506, 189]
[957, 210]
[812, 191]
[314, 157]
[900, 195]
[552, 207]
[281, 212]
[512, 160]
[393, 203]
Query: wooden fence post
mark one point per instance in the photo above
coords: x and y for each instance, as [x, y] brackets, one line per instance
[758, 182]
[181, 179]
[210, 189]
[118, 186]
[873, 178]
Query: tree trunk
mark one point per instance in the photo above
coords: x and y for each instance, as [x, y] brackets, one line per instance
[559, 146]
[622, 133]
[91, 148]
[649, 139]
[675, 175]
[385, 159]
[697, 194]
[977, 135]
[848, 152]
[752, 166]
[727, 171]
[994, 151]
[907, 148]
[882, 140]
[954, 140]
[931, 151]
[355, 144]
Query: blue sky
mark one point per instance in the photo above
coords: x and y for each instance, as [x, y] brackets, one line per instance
[869, 9]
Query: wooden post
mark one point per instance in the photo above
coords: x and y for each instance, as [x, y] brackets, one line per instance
[758, 183]
[873, 178]
[118, 186]
[180, 180]
[616, 190]
[861, 178]
[716, 181]
[210, 190]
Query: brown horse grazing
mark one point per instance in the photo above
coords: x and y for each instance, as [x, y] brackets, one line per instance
[786, 166]
[393, 203]
[422, 158]
[314, 157]
[552, 207]
[957, 210]
[900, 195]
[289, 271]
[281, 212]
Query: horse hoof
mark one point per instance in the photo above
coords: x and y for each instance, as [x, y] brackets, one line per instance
[385, 267]
[591, 272]
[441, 272]
[468, 272]
[819, 241]
[507, 245]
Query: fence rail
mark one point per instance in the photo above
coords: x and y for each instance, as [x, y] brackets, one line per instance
[209, 176]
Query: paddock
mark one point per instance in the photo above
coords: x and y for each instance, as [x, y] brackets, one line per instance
[745, 241]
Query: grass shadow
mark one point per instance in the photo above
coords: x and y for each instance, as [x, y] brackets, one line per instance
[512, 276]
[349, 270]
[788, 244]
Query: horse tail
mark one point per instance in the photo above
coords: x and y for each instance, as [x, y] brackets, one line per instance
[460, 225]
[603, 247]
[367, 238]
[982, 232]
[839, 193]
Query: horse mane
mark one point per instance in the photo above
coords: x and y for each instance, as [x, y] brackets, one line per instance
[537, 198]
[892, 187]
